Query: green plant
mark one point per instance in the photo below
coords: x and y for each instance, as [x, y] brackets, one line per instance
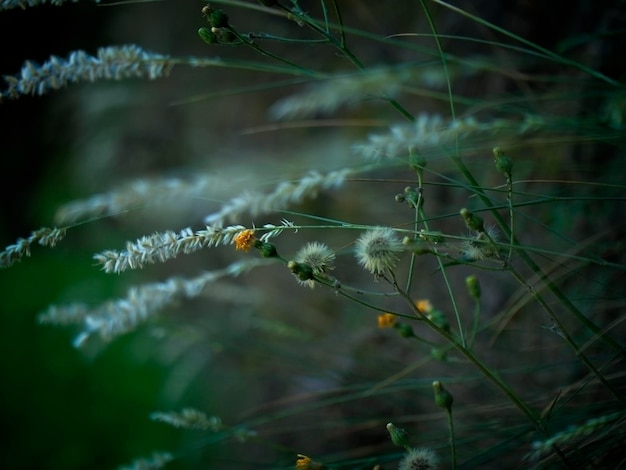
[469, 221]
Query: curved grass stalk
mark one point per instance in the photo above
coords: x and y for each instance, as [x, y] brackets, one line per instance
[459, 346]
[568, 339]
[552, 55]
[591, 326]
[453, 114]
[444, 62]
[470, 356]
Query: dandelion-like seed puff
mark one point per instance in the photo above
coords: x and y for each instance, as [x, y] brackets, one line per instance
[419, 459]
[318, 257]
[377, 250]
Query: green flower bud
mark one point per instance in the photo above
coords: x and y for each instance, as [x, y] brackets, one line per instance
[404, 330]
[302, 271]
[398, 435]
[432, 237]
[439, 354]
[225, 36]
[412, 196]
[218, 19]
[473, 286]
[472, 221]
[442, 396]
[439, 319]
[267, 250]
[503, 163]
[418, 247]
[207, 35]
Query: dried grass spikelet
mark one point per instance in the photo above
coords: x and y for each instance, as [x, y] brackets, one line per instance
[345, 89]
[44, 236]
[385, 82]
[154, 462]
[162, 246]
[431, 133]
[189, 418]
[10, 4]
[285, 194]
[160, 193]
[109, 63]
[114, 318]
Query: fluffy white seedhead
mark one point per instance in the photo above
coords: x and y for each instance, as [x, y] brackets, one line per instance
[377, 250]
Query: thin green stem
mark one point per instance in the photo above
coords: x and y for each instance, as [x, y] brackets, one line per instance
[420, 174]
[245, 65]
[476, 316]
[272, 37]
[411, 273]
[248, 42]
[546, 52]
[452, 439]
[342, 32]
[444, 62]
[342, 47]
[509, 198]
[446, 280]
[564, 300]
[420, 215]
[568, 339]
[484, 369]
[325, 14]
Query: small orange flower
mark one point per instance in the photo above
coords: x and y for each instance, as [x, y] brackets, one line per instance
[245, 240]
[386, 320]
[306, 463]
[424, 305]
[303, 462]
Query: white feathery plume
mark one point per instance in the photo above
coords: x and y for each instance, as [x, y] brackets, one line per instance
[117, 317]
[44, 236]
[156, 461]
[10, 4]
[189, 418]
[162, 246]
[430, 132]
[140, 193]
[348, 89]
[285, 194]
[109, 63]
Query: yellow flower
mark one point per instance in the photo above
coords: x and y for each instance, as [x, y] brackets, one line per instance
[245, 240]
[303, 462]
[386, 320]
[424, 305]
[306, 463]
